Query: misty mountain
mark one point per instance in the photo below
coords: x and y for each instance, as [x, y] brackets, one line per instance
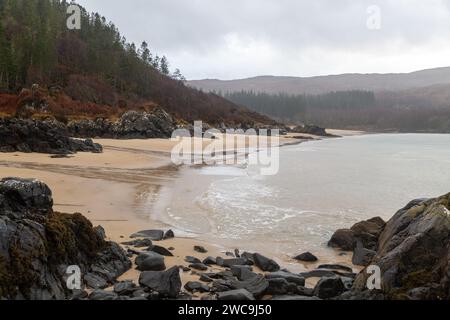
[325, 84]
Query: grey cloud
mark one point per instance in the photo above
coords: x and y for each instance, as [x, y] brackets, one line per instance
[220, 38]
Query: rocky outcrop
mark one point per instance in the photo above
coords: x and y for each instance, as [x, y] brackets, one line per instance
[37, 245]
[413, 254]
[43, 136]
[360, 238]
[131, 125]
[311, 129]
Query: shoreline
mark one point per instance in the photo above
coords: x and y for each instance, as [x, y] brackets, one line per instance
[116, 189]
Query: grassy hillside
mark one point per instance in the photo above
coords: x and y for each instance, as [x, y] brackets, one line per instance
[93, 71]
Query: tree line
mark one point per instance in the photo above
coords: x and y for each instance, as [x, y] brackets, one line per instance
[347, 109]
[37, 47]
[301, 107]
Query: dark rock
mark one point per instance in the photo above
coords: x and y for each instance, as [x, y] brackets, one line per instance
[256, 285]
[289, 277]
[166, 283]
[132, 125]
[249, 257]
[150, 261]
[194, 286]
[155, 235]
[235, 295]
[190, 259]
[246, 274]
[102, 295]
[198, 266]
[230, 254]
[232, 262]
[140, 294]
[219, 261]
[319, 273]
[31, 194]
[95, 281]
[236, 253]
[169, 235]
[37, 245]
[43, 136]
[161, 250]
[205, 278]
[306, 257]
[200, 249]
[328, 288]
[413, 252]
[367, 232]
[224, 275]
[100, 231]
[209, 261]
[343, 239]
[237, 270]
[124, 288]
[277, 286]
[311, 129]
[139, 243]
[362, 256]
[265, 264]
[335, 267]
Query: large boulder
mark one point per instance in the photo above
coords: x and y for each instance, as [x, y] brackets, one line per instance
[166, 283]
[343, 239]
[32, 194]
[37, 245]
[150, 261]
[367, 232]
[413, 253]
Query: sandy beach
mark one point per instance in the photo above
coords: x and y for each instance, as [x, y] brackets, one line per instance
[115, 189]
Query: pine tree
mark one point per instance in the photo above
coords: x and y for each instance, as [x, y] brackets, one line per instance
[144, 52]
[156, 62]
[164, 66]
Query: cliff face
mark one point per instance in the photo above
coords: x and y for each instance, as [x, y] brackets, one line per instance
[413, 253]
[37, 245]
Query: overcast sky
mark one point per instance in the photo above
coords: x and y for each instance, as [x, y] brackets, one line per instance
[229, 39]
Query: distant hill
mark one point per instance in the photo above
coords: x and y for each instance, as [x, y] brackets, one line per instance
[325, 84]
[93, 71]
[409, 102]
